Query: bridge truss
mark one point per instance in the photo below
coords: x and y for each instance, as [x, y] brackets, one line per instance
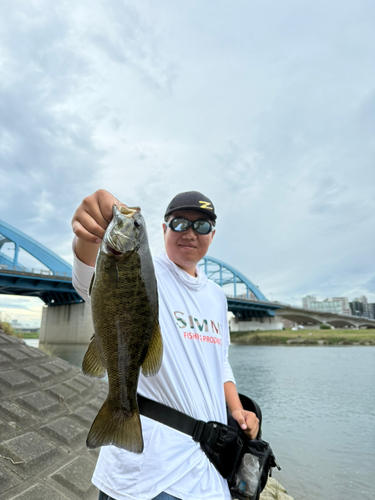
[52, 284]
[245, 300]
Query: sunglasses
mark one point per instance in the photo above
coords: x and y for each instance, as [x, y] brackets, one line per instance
[180, 224]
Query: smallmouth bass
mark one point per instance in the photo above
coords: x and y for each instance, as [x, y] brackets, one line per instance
[125, 312]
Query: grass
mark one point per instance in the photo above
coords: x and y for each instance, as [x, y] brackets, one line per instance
[305, 337]
[9, 330]
[29, 335]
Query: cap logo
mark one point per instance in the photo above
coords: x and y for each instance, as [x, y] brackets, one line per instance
[205, 204]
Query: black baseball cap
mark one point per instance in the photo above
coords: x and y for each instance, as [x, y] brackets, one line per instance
[192, 200]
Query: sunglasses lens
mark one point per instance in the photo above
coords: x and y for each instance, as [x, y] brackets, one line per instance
[179, 224]
[202, 227]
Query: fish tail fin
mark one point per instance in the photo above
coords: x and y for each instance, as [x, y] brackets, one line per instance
[92, 363]
[154, 356]
[113, 426]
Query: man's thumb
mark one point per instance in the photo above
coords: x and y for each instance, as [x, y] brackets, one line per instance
[241, 422]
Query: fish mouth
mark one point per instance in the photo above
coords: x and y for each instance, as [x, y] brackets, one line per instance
[111, 250]
[127, 211]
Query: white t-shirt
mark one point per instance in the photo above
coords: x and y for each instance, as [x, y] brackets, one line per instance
[193, 320]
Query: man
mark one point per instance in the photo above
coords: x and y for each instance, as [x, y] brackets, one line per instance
[195, 377]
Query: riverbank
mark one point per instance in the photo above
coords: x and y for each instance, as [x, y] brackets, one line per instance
[46, 409]
[337, 337]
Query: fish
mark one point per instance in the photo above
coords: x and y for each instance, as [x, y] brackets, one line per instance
[127, 336]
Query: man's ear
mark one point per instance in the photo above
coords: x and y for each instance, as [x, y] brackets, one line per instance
[164, 225]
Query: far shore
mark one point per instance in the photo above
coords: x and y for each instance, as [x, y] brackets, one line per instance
[337, 337]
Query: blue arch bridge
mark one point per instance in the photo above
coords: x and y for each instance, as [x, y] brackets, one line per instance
[53, 283]
[28, 268]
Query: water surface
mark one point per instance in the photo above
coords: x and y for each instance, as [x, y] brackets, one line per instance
[318, 408]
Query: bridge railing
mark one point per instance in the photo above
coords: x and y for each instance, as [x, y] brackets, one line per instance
[243, 297]
[39, 272]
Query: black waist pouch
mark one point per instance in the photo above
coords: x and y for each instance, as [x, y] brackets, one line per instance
[223, 446]
[245, 463]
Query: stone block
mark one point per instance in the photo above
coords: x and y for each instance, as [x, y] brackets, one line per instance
[31, 451]
[4, 362]
[40, 403]
[8, 479]
[76, 386]
[4, 339]
[14, 412]
[63, 393]
[9, 339]
[86, 414]
[17, 355]
[37, 373]
[40, 492]
[66, 431]
[36, 353]
[83, 379]
[15, 380]
[76, 477]
[64, 365]
[5, 429]
[51, 367]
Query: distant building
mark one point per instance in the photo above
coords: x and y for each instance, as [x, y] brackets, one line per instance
[361, 308]
[371, 311]
[341, 305]
[307, 300]
[336, 305]
[362, 299]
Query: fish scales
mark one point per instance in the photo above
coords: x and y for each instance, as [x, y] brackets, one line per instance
[124, 304]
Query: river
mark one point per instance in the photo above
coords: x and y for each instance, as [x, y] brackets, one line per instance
[318, 408]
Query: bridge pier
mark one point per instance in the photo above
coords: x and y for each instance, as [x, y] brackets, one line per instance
[254, 324]
[67, 324]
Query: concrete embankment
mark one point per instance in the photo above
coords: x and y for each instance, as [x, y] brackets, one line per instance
[46, 409]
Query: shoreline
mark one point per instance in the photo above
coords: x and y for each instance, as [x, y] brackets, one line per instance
[306, 337]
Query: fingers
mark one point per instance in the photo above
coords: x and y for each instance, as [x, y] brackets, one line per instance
[92, 233]
[252, 425]
[92, 217]
[248, 422]
[241, 421]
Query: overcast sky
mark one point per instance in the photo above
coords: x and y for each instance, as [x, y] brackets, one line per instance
[267, 107]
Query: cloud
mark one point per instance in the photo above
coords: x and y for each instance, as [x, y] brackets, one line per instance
[267, 108]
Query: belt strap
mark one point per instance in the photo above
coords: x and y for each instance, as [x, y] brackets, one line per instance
[171, 417]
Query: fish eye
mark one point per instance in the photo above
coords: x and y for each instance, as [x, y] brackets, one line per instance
[137, 224]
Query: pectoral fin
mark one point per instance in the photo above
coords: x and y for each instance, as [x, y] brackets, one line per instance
[93, 364]
[154, 356]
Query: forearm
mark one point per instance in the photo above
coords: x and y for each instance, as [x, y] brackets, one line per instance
[247, 420]
[231, 397]
[86, 251]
